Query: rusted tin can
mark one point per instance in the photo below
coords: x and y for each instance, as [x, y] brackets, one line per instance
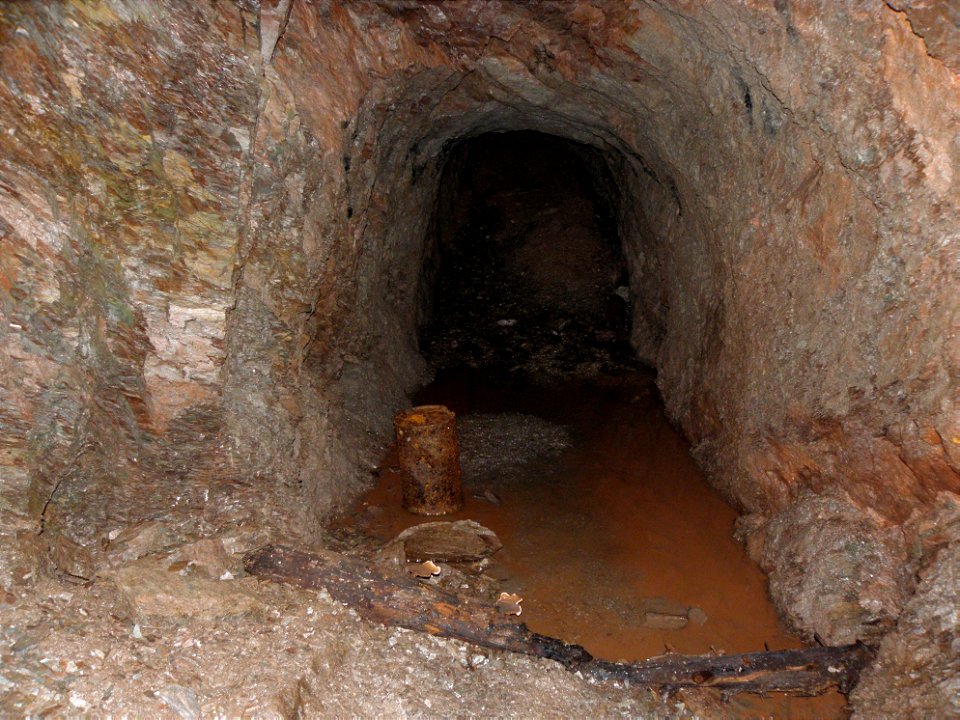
[429, 460]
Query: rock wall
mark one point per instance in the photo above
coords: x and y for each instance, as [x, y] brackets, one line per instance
[122, 150]
[917, 671]
[214, 216]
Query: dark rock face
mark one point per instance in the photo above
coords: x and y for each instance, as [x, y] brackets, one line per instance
[917, 673]
[122, 159]
[527, 260]
[212, 221]
[836, 569]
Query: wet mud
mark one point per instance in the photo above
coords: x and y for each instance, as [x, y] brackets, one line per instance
[603, 515]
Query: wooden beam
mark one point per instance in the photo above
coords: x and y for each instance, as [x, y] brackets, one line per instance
[405, 602]
[807, 671]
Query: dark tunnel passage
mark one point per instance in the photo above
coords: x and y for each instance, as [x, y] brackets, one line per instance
[611, 535]
[527, 268]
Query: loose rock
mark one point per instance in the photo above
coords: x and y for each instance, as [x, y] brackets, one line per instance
[462, 541]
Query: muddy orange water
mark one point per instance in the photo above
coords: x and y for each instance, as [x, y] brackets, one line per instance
[622, 515]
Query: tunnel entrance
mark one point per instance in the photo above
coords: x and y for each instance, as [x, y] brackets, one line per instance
[526, 266]
[610, 532]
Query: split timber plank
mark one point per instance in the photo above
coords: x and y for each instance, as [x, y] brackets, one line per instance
[400, 601]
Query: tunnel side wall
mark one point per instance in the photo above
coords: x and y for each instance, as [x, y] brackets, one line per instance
[120, 190]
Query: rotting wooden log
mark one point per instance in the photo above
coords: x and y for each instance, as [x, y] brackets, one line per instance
[806, 671]
[405, 602]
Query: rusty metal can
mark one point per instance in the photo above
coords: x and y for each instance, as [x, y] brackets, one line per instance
[429, 460]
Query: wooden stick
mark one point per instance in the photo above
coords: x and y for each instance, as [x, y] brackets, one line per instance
[807, 671]
[401, 601]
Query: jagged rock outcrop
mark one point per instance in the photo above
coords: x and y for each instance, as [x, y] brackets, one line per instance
[917, 672]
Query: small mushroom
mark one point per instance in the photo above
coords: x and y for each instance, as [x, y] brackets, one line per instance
[509, 603]
[423, 570]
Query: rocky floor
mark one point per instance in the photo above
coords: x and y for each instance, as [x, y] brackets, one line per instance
[280, 653]
[167, 625]
[161, 638]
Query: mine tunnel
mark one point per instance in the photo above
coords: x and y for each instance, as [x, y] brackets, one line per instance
[684, 275]
[524, 257]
